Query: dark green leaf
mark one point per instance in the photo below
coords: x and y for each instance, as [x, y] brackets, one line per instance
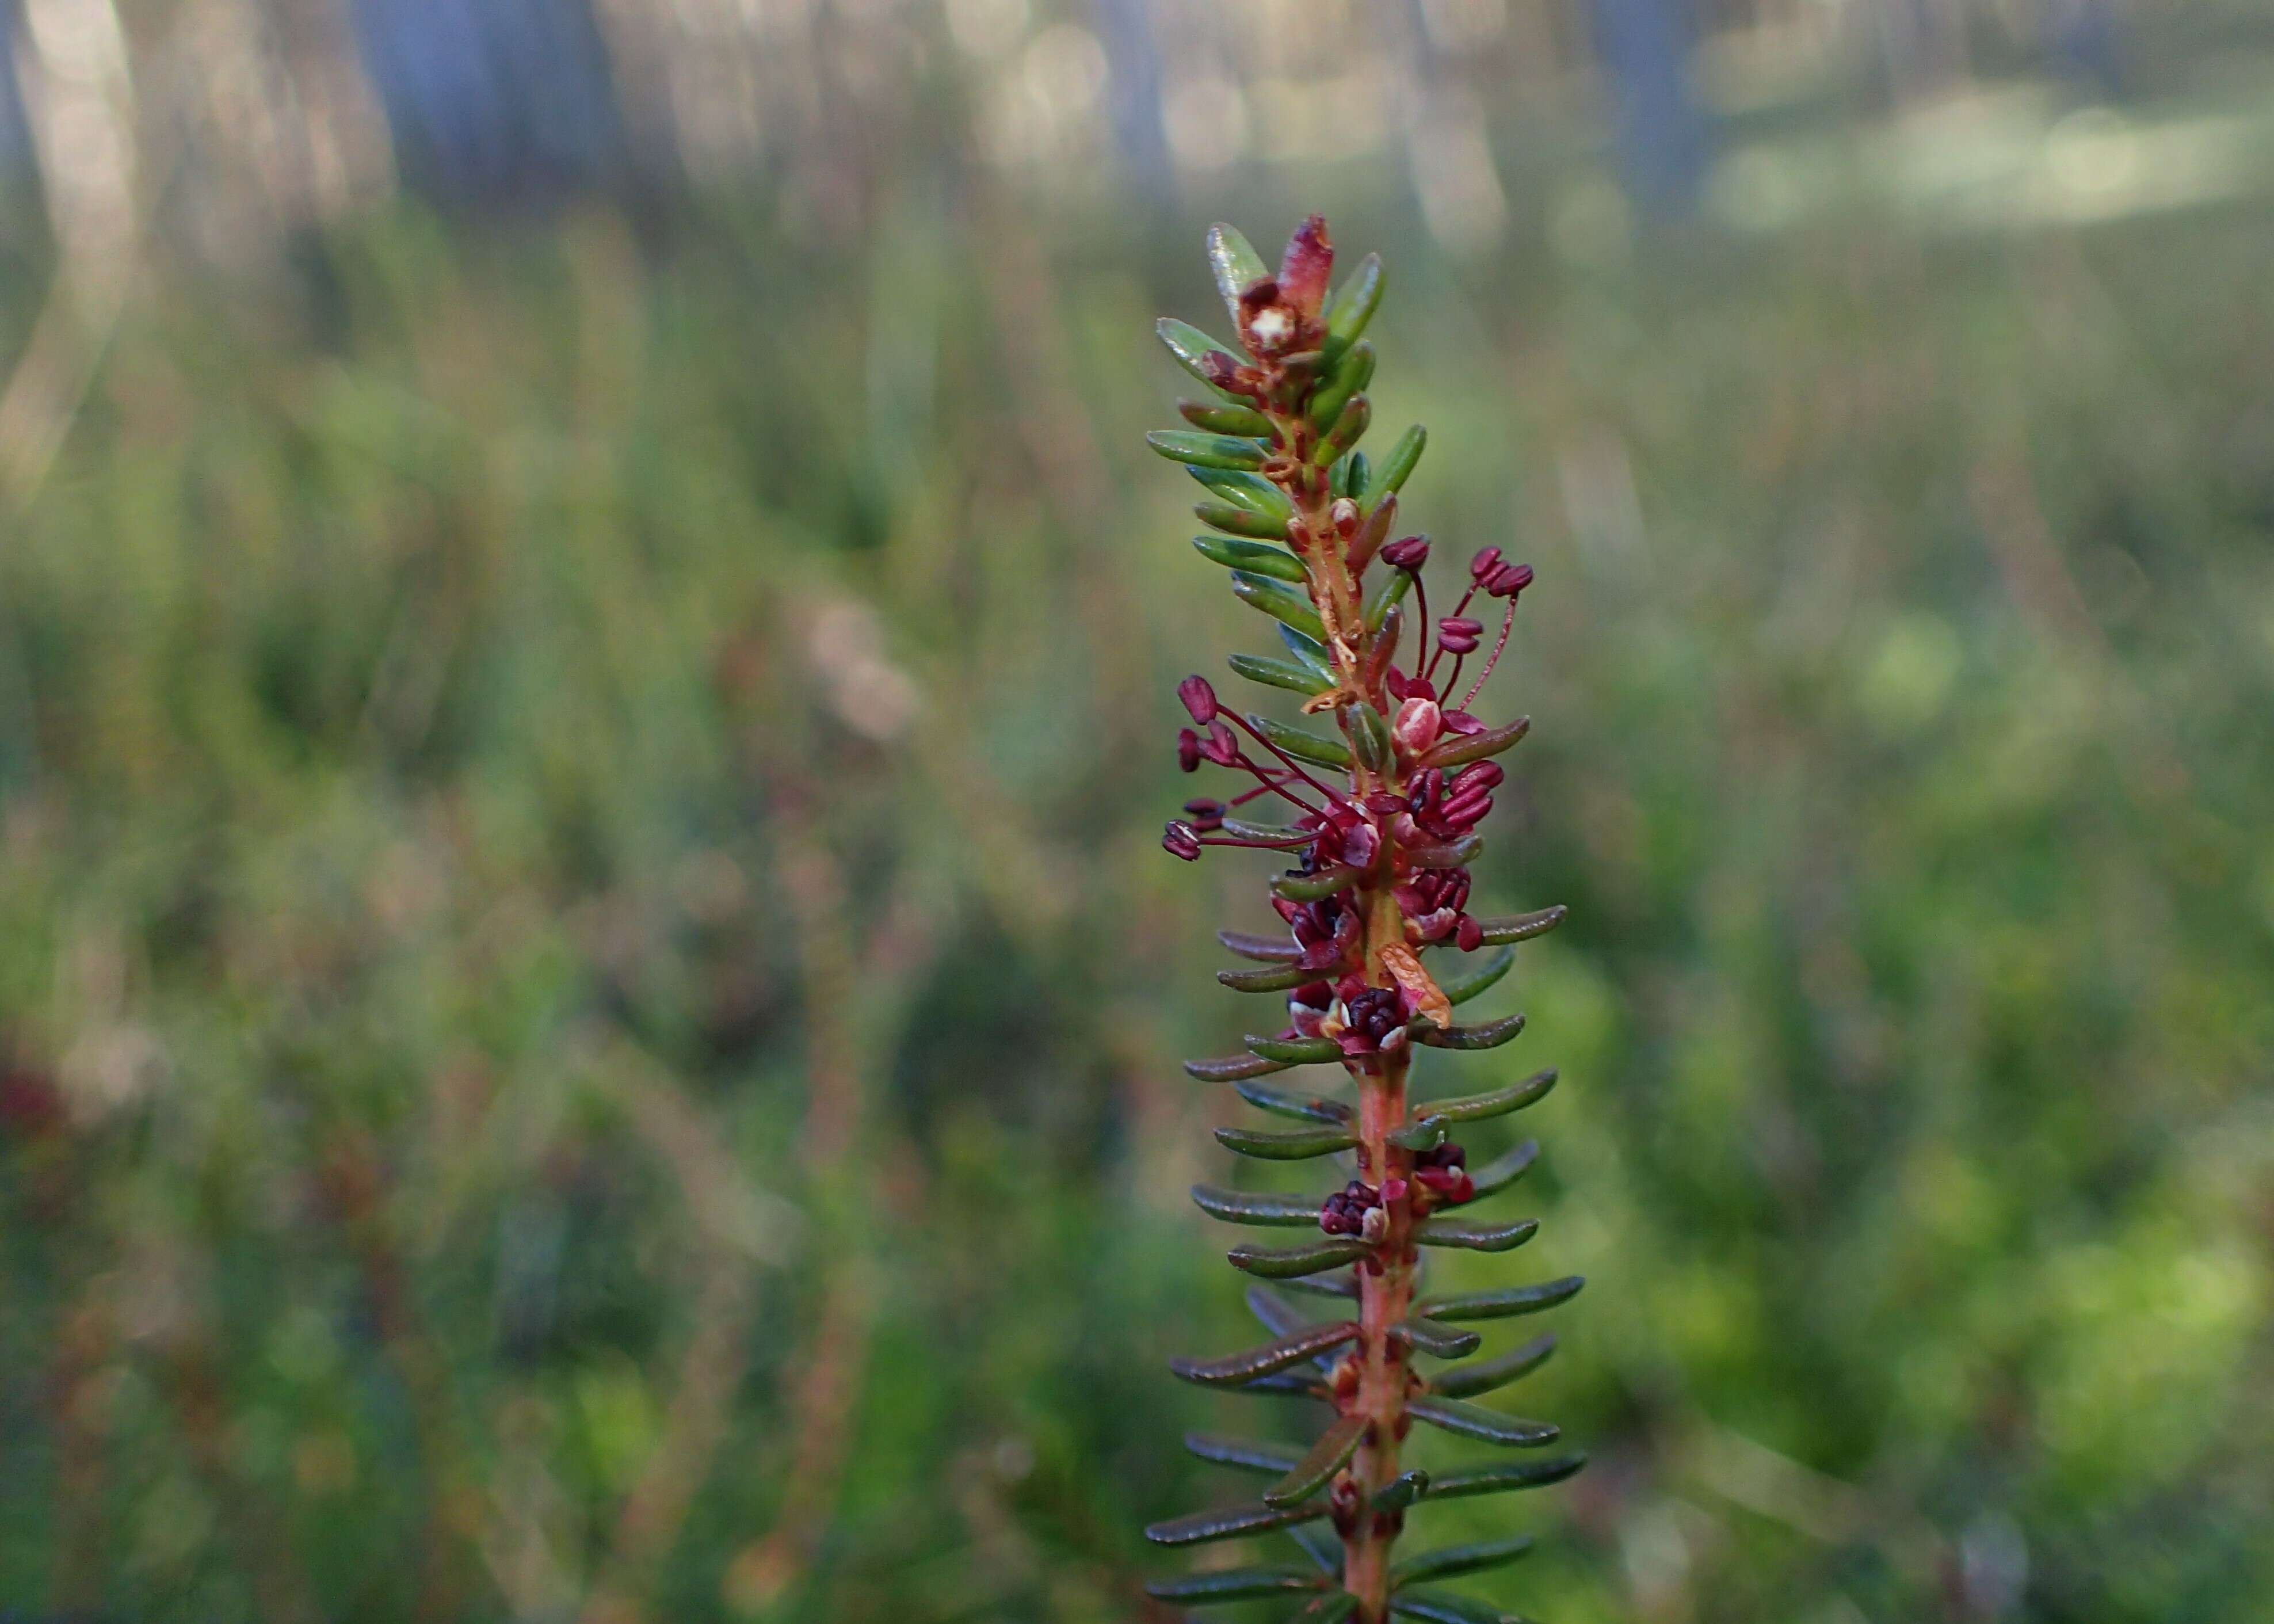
[1353, 304]
[1293, 1051]
[1349, 429]
[1501, 1479]
[1505, 1303]
[1445, 1607]
[1242, 1206]
[1487, 1426]
[1277, 979]
[1235, 1585]
[1463, 987]
[1489, 1036]
[1233, 1368]
[1270, 949]
[1244, 421]
[1245, 830]
[1189, 345]
[1495, 1102]
[1348, 477]
[1439, 1342]
[1306, 1108]
[1368, 733]
[1384, 593]
[1400, 1492]
[1309, 649]
[1279, 600]
[1502, 1171]
[1190, 445]
[1310, 888]
[1255, 557]
[1246, 1455]
[1350, 374]
[1454, 854]
[1324, 1286]
[1240, 521]
[1231, 1067]
[1245, 490]
[1229, 1523]
[1301, 745]
[1236, 264]
[1523, 926]
[1473, 1237]
[1425, 1135]
[1276, 1315]
[1456, 748]
[1469, 1380]
[1293, 1145]
[1397, 467]
[1324, 1458]
[1289, 1263]
[1453, 1560]
[1279, 673]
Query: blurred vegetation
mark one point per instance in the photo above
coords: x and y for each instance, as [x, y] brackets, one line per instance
[591, 1010]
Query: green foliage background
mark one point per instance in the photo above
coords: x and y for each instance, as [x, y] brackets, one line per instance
[579, 811]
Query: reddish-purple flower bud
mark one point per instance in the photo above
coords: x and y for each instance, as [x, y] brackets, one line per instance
[1468, 935]
[1483, 563]
[1418, 725]
[1508, 580]
[1206, 815]
[1198, 698]
[1461, 722]
[1179, 840]
[1459, 634]
[1408, 555]
[1188, 750]
[1223, 747]
[1305, 268]
[1484, 775]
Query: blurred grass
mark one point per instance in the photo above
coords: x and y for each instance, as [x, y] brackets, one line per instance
[593, 1012]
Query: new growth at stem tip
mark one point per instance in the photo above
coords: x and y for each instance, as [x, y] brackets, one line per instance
[1375, 820]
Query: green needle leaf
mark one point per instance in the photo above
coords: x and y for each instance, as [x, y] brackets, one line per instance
[1475, 1237]
[1306, 1108]
[1353, 304]
[1497, 1102]
[1276, 1315]
[1233, 1368]
[1349, 374]
[1241, 521]
[1502, 1171]
[1276, 673]
[1445, 1607]
[1235, 1585]
[1453, 1560]
[1386, 593]
[1425, 1135]
[1457, 748]
[1231, 1067]
[1506, 1303]
[1277, 979]
[1255, 557]
[1349, 429]
[1487, 1426]
[1322, 1547]
[1291, 1263]
[1469, 1380]
[1438, 1341]
[1308, 1475]
[1459, 854]
[1293, 1145]
[1244, 421]
[1244, 490]
[1279, 600]
[1269, 950]
[1397, 467]
[1490, 1036]
[1324, 1286]
[1190, 445]
[1310, 888]
[1301, 745]
[1399, 1492]
[1309, 649]
[1505, 1479]
[1293, 1051]
[1229, 1523]
[1242, 1206]
[1332, 1608]
[1523, 926]
[1235, 262]
[1462, 988]
[1192, 347]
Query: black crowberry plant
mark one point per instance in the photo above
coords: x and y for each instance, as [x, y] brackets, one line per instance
[1379, 822]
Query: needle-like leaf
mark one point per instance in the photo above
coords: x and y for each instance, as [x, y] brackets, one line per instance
[1489, 1036]
[1475, 1237]
[1230, 1522]
[1310, 887]
[1487, 1426]
[1502, 1171]
[1523, 926]
[1457, 749]
[1302, 745]
[1245, 1206]
[1278, 599]
[1277, 673]
[1205, 450]
[1399, 1492]
[1471, 1379]
[1445, 1607]
[1294, 1051]
[1506, 1303]
[1505, 1479]
[1325, 1458]
[1398, 466]
[1440, 1341]
[1235, 263]
[1231, 1068]
[1450, 1561]
[1230, 1584]
[1193, 350]
[1270, 949]
[1291, 1144]
[1233, 1368]
[1334, 1607]
[1255, 557]
[1240, 521]
[1461, 989]
[1288, 1263]
[1494, 1102]
[1278, 979]
[1304, 1108]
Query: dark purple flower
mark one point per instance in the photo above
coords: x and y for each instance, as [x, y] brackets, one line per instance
[1459, 633]
[1206, 815]
[1483, 563]
[1188, 750]
[1508, 580]
[1179, 840]
[1408, 555]
[1198, 698]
